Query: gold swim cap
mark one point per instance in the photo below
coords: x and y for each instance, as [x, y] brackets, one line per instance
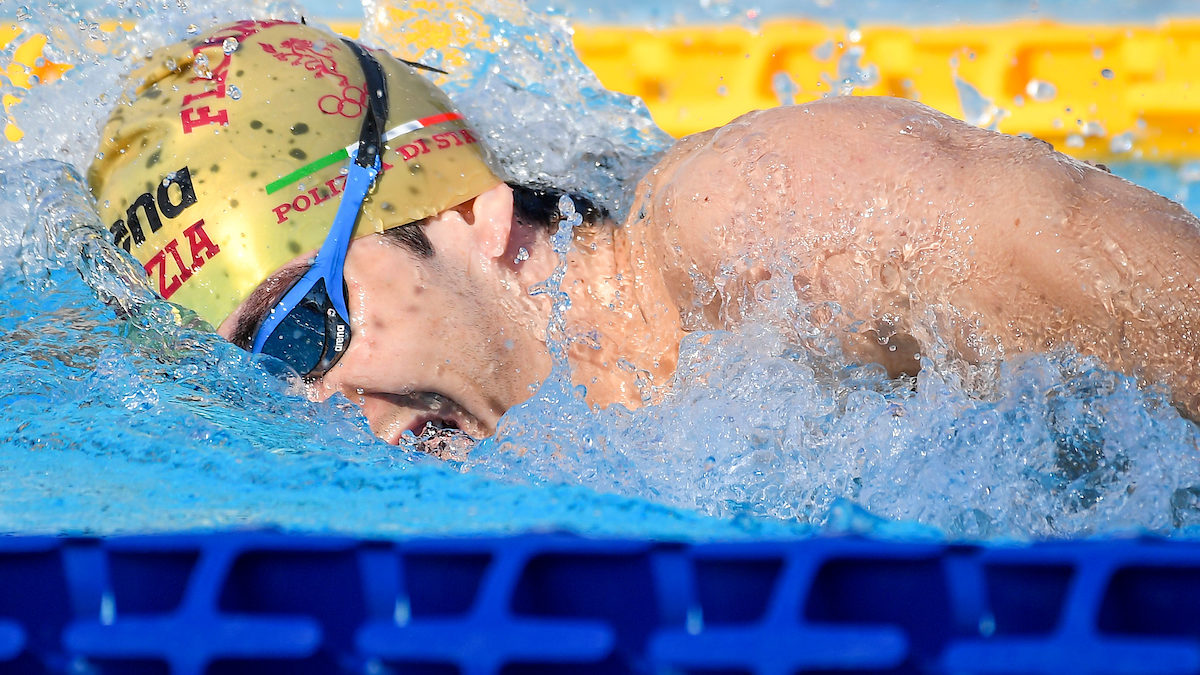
[230, 159]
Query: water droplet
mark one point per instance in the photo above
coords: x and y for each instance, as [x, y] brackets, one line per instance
[1107, 73]
[23, 13]
[234, 93]
[977, 108]
[522, 254]
[852, 75]
[1040, 90]
[192, 29]
[566, 207]
[229, 46]
[171, 65]
[200, 66]
[1074, 141]
[785, 88]
[1092, 129]
[1121, 142]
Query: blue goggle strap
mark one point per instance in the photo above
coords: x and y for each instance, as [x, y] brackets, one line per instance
[330, 258]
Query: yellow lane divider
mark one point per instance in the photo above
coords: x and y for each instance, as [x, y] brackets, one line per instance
[1093, 91]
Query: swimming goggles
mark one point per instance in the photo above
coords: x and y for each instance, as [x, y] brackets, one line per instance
[309, 328]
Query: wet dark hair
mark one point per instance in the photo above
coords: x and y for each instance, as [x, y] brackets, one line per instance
[533, 204]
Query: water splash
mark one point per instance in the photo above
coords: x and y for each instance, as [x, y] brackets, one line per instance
[851, 74]
[785, 88]
[549, 120]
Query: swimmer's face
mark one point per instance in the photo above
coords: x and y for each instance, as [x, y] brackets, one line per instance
[434, 339]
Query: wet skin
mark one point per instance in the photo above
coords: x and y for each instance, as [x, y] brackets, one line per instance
[917, 225]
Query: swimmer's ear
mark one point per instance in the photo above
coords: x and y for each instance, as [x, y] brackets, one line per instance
[491, 218]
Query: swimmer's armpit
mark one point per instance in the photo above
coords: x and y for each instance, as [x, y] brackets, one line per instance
[253, 310]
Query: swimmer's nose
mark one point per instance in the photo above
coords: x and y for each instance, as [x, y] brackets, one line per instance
[338, 380]
[358, 388]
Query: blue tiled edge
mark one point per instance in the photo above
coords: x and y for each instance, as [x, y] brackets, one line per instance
[275, 603]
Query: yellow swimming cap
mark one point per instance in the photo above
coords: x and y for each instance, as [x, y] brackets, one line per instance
[230, 158]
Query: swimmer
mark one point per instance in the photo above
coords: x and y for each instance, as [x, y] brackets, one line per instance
[345, 219]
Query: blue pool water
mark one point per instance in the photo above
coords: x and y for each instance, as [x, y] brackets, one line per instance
[123, 415]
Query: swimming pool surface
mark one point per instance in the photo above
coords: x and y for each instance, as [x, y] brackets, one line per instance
[170, 506]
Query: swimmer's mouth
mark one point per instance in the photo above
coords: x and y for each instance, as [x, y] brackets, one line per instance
[440, 434]
[433, 415]
[430, 425]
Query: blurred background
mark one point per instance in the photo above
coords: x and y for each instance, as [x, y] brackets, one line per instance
[1106, 81]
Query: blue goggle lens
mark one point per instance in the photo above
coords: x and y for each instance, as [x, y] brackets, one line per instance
[312, 336]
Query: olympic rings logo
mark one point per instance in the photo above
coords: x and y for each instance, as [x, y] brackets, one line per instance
[350, 104]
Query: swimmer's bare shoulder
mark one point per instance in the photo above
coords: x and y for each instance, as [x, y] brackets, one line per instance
[907, 217]
[819, 183]
[792, 172]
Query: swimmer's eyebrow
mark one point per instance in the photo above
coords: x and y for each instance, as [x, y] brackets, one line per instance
[254, 309]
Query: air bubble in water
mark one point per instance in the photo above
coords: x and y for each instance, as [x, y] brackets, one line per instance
[1074, 140]
[1040, 90]
[192, 29]
[23, 13]
[229, 46]
[1107, 73]
[234, 92]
